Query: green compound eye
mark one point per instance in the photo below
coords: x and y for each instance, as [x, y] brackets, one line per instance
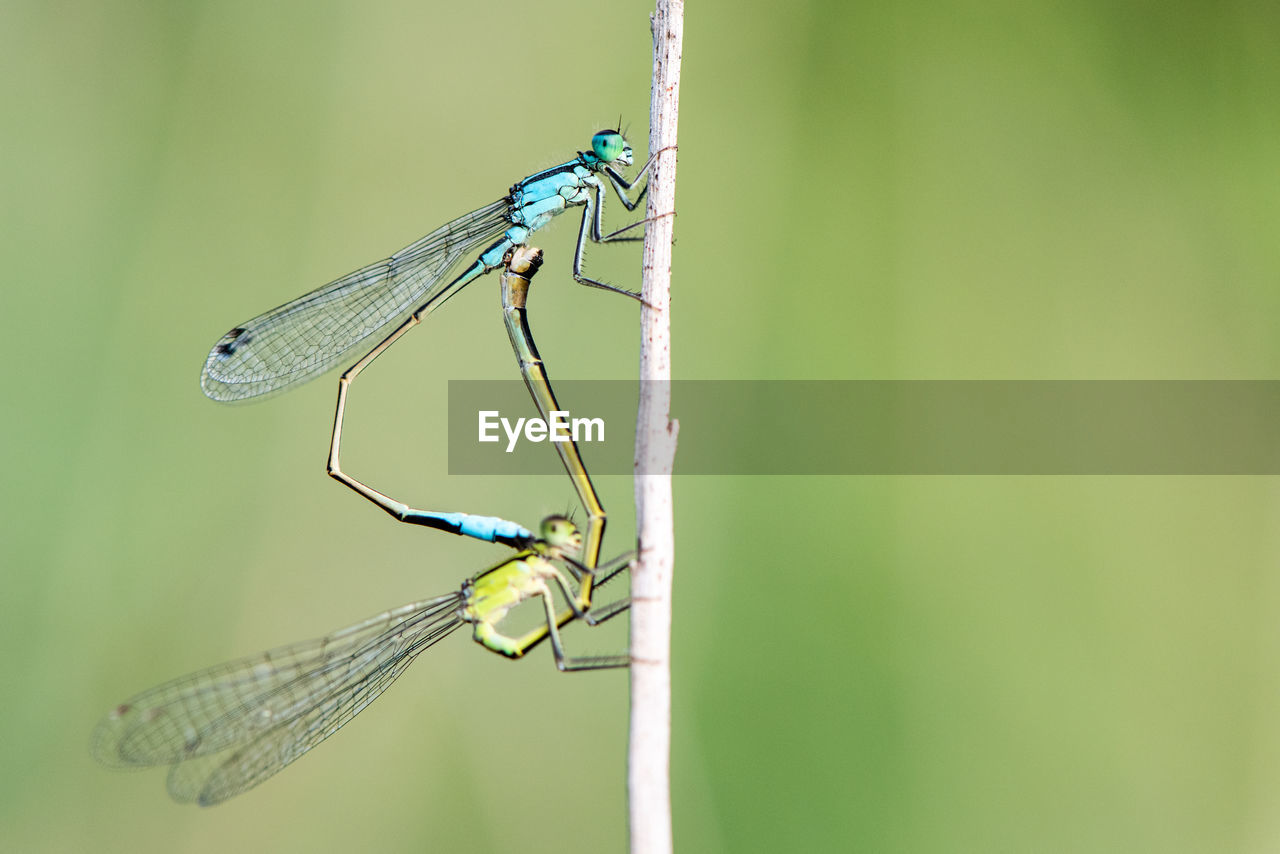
[608, 145]
[559, 531]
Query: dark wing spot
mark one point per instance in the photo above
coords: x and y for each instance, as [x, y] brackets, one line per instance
[232, 341]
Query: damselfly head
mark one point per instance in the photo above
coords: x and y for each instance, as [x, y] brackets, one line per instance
[611, 147]
[561, 534]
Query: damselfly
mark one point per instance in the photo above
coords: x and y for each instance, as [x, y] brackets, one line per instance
[319, 330]
[227, 728]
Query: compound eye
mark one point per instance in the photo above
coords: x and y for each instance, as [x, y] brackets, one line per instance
[608, 145]
[558, 531]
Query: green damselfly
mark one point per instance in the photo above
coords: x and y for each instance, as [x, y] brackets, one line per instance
[227, 728]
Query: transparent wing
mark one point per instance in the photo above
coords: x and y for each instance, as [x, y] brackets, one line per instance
[229, 727]
[311, 334]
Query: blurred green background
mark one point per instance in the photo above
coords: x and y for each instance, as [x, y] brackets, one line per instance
[966, 190]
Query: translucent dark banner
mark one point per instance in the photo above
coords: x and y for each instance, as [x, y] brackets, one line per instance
[884, 427]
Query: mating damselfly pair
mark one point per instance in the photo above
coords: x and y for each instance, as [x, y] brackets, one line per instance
[227, 728]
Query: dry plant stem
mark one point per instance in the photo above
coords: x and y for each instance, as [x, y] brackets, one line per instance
[648, 777]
